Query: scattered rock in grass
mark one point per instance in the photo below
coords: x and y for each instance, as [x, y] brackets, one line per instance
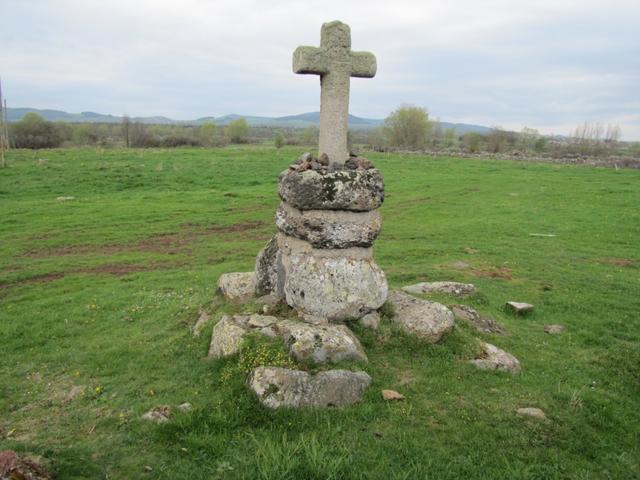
[158, 414]
[21, 467]
[371, 320]
[281, 387]
[450, 288]
[65, 198]
[75, 392]
[390, 395]
[493, 358]
[226, 338]
[554, 329]
[425, 319]
[305, 341]
[203, 319]
[519, 307]
[480, 322]
[42, 161]
[470, 251]
[237, 287]
[185, 407]
[532, 412]
[148, 468]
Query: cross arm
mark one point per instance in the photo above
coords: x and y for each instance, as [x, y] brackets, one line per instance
[363, 64]
[310, 60]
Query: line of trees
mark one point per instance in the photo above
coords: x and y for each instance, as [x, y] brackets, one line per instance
[406, 128]
[410, 128]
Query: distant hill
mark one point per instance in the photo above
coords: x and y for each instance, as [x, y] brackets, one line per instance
[302, 120]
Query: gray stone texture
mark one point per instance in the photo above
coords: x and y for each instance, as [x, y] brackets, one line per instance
[480, 322]
[335, 63]
[493, 358]
[356, 190]
[266, 274]
[422, 318]
[449, 288]
[329, 228]
[318, 343]
[330, 284]
[237, 287]
[281, 387]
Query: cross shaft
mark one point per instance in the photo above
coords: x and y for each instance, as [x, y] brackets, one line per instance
[335, 63]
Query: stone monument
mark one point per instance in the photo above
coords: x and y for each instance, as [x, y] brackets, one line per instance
[321, 261]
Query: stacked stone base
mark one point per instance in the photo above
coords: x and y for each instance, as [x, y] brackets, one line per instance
[321, 261]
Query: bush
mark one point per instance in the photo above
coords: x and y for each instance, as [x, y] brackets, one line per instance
[278, 140]
[237, 131]
[408, 127]
[35, 132]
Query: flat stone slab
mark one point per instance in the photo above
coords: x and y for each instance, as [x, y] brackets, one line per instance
[532, 412]
[422, 318]
[493, 358]
[304, 341]
[519, 307]
[330, 284]
[355, 190]
[281, 387]
[329, 228]
[554, 329]
[449, 288]
[237, 287]
[480, 322]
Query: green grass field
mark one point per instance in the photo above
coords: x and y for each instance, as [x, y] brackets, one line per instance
[100, 292]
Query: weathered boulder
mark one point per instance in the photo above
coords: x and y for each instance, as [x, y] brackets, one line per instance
[304, 341]
[237, 287]
[320, 343]
[480, 322]
[358, 190]
[330, 284]
[266, 274]
[329, 228]
[425, 319]
[493, 358]
[281, 387]
[449, 288]
[226, 338]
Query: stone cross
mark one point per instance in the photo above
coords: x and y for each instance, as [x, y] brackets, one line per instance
[335, 63]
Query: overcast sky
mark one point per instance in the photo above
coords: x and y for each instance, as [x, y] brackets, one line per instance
[546, 64]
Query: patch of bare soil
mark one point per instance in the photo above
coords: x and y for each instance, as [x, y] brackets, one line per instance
[492, 272]
[618, 262]
[171, 243]
[47, 277]
[116, 269]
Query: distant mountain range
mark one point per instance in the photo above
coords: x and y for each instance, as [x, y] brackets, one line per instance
[291, 121]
